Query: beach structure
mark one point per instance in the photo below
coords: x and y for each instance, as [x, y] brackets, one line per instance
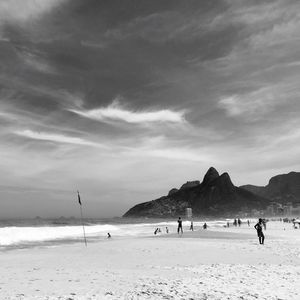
[188, 212]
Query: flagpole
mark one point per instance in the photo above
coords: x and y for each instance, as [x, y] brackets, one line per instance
[82, 219]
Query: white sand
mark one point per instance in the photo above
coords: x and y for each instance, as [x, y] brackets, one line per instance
[199, 265]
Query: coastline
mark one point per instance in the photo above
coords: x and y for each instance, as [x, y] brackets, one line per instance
[212, 264]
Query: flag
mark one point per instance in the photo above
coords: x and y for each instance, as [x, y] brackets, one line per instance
[79, 201]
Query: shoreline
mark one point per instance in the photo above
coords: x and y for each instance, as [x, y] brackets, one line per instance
[204, 264]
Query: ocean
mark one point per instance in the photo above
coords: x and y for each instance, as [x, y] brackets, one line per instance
[48, 232]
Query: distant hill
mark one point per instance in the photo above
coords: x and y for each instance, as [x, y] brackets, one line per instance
[215, 195]
[281, 188]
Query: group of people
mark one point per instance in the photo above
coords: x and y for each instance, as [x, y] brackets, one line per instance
[259, 226]
[237, 222]
[180, 230]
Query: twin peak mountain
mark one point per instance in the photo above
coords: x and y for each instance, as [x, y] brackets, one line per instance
[216, 195]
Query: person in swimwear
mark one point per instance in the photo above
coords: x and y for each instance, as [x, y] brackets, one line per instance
[179, 228]
[259, 229]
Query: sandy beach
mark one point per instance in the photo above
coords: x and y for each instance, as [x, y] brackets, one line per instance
[224, 263]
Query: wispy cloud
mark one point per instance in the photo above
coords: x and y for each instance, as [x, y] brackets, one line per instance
[58, 138]
[161, 147]
[256, 104]
[21, 11]
[115, 112]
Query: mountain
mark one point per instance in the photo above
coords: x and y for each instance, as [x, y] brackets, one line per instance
[281, 188]
[216, 195]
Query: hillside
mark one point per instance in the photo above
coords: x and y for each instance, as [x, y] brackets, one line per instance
[216, 195]
[281, 188]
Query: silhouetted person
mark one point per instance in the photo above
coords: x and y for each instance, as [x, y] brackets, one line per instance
[235, 222]
[179, 228]
[228, 224]
[192, 226]
[259, 229]
[204, 226]
[248, 223]
[239, 222]
[167, 230]
[108, 235]
[156, 231]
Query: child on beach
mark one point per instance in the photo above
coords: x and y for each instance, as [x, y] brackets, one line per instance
[179, 228]
[259, 229]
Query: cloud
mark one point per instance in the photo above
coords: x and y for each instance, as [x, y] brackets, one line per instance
[35, 62]
[161, 147]
[256, 104]
[249, 106]
[58, 138]
[114, 112]
[15, 11]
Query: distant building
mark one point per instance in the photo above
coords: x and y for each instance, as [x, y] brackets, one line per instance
[275, 209]
[295, 211]
[188, 212]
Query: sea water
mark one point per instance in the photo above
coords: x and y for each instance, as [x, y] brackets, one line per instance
[26, 233]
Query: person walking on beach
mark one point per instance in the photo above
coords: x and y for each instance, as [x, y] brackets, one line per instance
[179, 228]
[204, 226]
[248, 223]
[167, 230]
[235, 222]
[192, 226]
[108, 235]
[239, 222]
[259, 229]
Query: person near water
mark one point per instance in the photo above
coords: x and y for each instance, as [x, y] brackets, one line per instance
[179, 228]
[259, 229]
[156, 231]
[239, 222]
[204, 226]
[192, 226]
[167, 230]
[235, 222]
[228, 224]
[108, 235]
[248, 223]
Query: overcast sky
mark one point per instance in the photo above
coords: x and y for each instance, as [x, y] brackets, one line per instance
[124, 100]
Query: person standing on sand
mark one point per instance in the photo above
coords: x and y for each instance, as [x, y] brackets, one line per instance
[179, 228]
[259, 229]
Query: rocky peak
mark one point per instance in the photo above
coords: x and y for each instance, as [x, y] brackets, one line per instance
[190, 184]
[172, 191]
[226, 180]
[210, 175]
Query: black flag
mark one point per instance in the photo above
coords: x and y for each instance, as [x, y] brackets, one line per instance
[79, 201]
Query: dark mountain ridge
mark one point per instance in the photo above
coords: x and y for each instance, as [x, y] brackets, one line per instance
[282, 188]
[215, 195]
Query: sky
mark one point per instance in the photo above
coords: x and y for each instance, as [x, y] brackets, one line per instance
[124, 100]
